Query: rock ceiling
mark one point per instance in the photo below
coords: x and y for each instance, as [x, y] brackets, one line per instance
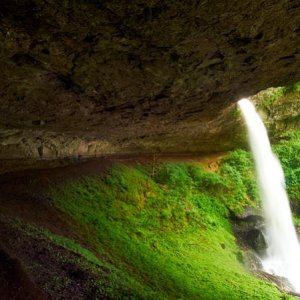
[97, 77]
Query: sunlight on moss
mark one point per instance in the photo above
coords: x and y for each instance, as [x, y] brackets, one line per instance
[169, 231]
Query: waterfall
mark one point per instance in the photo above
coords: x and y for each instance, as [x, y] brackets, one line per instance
[283, 252]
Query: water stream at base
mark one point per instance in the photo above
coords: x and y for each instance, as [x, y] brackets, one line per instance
[283, 252]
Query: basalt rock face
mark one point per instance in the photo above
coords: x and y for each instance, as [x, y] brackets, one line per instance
[96, 77]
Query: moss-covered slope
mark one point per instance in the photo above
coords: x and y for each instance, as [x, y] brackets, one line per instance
[142, 231]
[162, 233]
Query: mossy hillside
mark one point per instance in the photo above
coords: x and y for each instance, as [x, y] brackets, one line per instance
[100, 278]
[168, 231]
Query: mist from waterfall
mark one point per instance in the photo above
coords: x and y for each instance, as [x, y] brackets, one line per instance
[283, 252]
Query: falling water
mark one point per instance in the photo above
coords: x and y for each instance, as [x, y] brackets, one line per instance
[283, 253]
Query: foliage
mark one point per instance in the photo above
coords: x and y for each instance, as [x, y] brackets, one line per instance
[238, 171]
[268, 97]
[81, 264]
[166, 234]
[288, 151]
[169, 233]
[292, 88]
[174, 175]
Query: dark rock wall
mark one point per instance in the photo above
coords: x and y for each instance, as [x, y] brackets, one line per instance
[137, 76]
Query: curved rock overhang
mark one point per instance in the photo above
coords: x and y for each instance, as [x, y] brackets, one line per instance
[96, 77]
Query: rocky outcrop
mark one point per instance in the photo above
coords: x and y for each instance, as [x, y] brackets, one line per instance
[43, 144]
[249, 227]
[280, 108]
[138, 76]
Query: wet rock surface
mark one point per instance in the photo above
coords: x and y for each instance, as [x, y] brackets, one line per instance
[249, 230]
[280, 282]
[256, 240]
[156, 76]
[249, 227]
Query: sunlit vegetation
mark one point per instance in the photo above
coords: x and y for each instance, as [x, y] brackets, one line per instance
[166, 234]
[268, 97]
[163, 231]
[288, 151]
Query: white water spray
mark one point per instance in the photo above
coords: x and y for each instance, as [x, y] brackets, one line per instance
[283, 253]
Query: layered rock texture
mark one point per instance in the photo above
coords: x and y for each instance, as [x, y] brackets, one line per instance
[97, 77]
[280, 108]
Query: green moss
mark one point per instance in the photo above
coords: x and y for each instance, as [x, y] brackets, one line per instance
[237, 170]
[288, 151]
[67, 243]
[268, 97]
[296, 220]
[292, 88]
[164, 230]
[106, 280]
[168, 232]
[280, 108]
